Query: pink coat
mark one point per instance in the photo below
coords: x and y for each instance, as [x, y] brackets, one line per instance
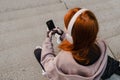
[64, 67]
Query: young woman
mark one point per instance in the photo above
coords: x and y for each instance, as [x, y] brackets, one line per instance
[82, 55]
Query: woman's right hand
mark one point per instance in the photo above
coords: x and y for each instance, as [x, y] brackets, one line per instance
[56, 30]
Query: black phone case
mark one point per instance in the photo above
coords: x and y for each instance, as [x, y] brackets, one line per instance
[50, 24]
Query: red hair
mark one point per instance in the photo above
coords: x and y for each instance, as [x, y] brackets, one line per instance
[84, 33]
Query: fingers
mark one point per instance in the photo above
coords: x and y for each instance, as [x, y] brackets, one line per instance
[51, 32]
[58, 30]
[54, 31]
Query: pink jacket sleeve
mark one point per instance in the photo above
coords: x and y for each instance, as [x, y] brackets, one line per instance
[48, 55]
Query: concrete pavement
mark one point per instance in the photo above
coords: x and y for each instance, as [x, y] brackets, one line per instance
[22, 27]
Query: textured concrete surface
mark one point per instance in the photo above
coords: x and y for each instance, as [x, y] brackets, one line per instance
[13, 5]
[113, 43]
[27, 30]
[22, 27]
[12, 15]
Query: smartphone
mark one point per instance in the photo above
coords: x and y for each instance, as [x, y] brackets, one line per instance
[50, 24]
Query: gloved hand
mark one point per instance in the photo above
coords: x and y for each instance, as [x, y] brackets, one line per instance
[54, 31]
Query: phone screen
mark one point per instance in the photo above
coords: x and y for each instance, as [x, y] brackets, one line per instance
[50, 24]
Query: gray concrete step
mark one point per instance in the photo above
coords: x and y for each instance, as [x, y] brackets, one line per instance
[114, 44]
[12, 5]
[108, 22]
[29, 22]
[108, 51]
[27, 30]
[103, 19]
[31, 11]
[89, 4]
[83, 3]
[109, 28]
[19, 63]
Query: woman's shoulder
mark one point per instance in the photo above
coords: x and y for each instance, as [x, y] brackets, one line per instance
[100, 42]
[64, 54]
[64, 57]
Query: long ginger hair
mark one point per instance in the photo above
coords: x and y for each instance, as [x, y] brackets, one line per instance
[84, 33]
